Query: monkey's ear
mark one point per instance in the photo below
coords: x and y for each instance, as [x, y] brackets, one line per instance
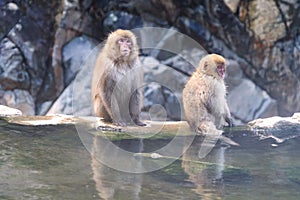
[205, 66]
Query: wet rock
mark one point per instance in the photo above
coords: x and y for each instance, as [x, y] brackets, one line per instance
[278, 128]
[7, 111]
[42, 121]
[18, 99]
[275, 123]
[74, 55]
[13, 67]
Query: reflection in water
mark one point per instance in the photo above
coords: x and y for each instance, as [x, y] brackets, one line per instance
[113, 184]
[208, 181]
[220, 157]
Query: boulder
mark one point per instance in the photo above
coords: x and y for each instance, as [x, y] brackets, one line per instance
[63, 105]
[74, 55]
[18, 99]
[7, 111]
[278, 128]
[247, 102]
[187, 61]
[164, 86]
[163, 75]
[76, 98]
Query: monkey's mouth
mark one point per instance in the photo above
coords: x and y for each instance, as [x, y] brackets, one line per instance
[125, 52]
[221, 71]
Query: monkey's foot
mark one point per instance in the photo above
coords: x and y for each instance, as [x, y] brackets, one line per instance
[139, 123]
[119, 123]
[229, 122]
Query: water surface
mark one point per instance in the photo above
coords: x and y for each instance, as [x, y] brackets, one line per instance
[51, 162]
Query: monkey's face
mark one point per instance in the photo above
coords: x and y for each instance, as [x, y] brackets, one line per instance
[221, 69]
[213, 65]
[124, 46]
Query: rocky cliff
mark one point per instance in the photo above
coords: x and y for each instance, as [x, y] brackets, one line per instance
[44, 43]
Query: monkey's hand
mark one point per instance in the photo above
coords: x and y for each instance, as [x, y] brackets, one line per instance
[229, 121]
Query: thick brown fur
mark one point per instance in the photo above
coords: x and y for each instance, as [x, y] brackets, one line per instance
[204, 96]
[116, 80]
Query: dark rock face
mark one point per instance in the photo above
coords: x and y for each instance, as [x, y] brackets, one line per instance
[9, 15]
[119, 19]
[38, 52]
[27, 37]
[13, 69]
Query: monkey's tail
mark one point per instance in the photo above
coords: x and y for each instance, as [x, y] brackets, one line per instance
[211, 136]
[229, 141]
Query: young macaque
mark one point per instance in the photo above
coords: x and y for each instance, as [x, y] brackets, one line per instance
[117, 79]
[204, 96]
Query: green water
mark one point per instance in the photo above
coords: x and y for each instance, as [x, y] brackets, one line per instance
[52, 163]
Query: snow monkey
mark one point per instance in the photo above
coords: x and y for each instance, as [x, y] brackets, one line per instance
[204, 96]
[117, 79]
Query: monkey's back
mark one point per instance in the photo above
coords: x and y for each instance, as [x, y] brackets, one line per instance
[201, 97]
[195, 97]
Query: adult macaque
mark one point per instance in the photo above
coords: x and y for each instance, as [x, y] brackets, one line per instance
[204, 96]
[117, 78]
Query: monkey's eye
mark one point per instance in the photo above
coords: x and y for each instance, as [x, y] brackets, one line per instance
[121, 40]
[221, 66]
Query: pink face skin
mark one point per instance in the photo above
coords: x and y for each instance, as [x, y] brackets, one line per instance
[125, 45]
[221, 70]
